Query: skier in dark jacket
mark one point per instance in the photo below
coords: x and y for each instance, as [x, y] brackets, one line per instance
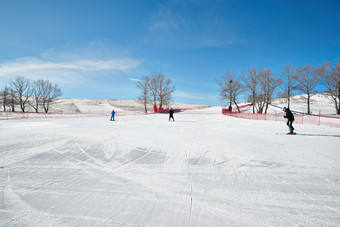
[171, 114]
[290, 118]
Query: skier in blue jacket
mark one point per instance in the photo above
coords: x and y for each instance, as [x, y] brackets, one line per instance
[112, 115]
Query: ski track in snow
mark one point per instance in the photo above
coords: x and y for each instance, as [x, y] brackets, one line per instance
[205, 169]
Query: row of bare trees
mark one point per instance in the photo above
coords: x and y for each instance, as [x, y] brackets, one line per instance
[330, 76]
[22, 91]
[260, 84]
[155, 87]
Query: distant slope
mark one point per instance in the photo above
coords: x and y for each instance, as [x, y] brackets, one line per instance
[99, 105]
[318, 102]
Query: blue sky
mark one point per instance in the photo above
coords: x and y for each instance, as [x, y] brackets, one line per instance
[98, 49]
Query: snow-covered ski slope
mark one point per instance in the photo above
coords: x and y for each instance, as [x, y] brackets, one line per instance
[204, 169]
[320, 103]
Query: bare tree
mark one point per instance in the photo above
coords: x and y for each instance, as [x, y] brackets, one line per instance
[238, 88]
[161, 89]
[288, 82]
[260, 96]
[261, 84]
[12, 99]
[251, 82]
[143, 87]
[49, 93]
[37, 90]
[226, 89]
[5, 97]
[153, 86]
[307, 80]
[165, 91]
[230, 88]
[22, 87]
[330, 75]
[268, 83]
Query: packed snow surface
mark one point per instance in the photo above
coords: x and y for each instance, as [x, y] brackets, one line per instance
[204, 169]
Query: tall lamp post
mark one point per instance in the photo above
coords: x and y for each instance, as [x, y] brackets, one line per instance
[230, 92]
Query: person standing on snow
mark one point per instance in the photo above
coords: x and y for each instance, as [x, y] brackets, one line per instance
[290, 118]
[112, 115]
[171, 114]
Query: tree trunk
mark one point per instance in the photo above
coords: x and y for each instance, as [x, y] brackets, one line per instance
[36, 105]
[266, 107]
[288, 98]
[237, 107]
[253, 102]
[160, 104]
[338, 104]
[308, 103]
[154, 101]
[22, 107]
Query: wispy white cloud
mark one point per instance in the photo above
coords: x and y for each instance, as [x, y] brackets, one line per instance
[93, 60]
[25, 65]
[133, 79]
[163, 19]
[219, 43]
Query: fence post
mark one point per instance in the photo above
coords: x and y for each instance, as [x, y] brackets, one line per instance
[303, 113]
[275, 115]
[265, 116]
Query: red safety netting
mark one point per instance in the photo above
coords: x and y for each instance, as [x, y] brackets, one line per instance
[26, 115]
[90, 113]
[333, 121]
[181, 109]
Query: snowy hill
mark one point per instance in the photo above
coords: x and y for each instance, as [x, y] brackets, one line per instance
[84, 105]
[98, 105]
[319, 103]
